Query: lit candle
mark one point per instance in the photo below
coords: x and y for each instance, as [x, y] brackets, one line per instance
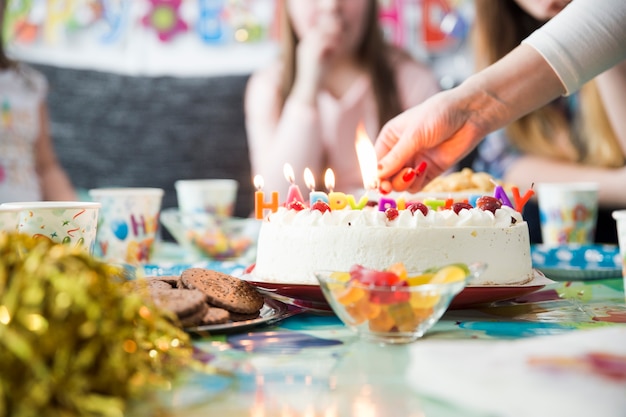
[314, 196]
[259, 198]
[329, 180]
[294, 191]
[367, 159]
[368, 163]
[500, 194]
[520, 202]
[336, 200]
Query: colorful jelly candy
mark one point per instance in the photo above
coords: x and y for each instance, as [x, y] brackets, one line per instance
[368, 295]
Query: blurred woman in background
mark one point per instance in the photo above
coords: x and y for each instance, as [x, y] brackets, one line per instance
[29, 169]
[335, 71]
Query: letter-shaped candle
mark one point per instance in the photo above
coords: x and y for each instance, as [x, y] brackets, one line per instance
[314, 196]
[385, 203]
[520, 202]
[293, 194]
[500, 194]
[336, 200]
[259, 199]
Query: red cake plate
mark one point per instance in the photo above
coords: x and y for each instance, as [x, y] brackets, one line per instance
[310, 296]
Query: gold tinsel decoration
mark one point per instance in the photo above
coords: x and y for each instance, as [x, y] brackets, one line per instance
[74, 341]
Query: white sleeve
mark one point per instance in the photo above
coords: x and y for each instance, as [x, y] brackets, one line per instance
[583, 40]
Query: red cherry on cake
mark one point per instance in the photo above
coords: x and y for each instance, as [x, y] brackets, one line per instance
[296, 205]
[488, 203]
[392, 213]
[457, 207]
[418, 206]
[321, 206]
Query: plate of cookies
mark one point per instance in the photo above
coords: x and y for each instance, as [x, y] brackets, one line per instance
[208, 301]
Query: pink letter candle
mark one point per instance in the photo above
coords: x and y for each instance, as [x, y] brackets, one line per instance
[259, 199]
[294, 191]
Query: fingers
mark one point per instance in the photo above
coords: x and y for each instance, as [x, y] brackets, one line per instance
[393, 150]
[407, 177]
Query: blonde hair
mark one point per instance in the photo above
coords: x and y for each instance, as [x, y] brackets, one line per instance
[374, 54]
[499, 27]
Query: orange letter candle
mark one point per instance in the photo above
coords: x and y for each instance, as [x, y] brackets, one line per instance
[259, 199]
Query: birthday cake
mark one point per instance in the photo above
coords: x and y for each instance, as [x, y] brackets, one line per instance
[293, 243]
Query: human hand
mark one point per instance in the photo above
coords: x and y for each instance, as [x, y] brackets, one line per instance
[438, 132]
[315, 54]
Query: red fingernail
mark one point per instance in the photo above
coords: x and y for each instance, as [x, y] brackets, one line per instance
[421, 168]
[409, 175]
[384, 188]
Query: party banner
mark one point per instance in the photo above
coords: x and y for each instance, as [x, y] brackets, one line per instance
[223, 33]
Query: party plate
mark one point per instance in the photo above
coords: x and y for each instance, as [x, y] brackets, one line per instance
[272, 312]
[481, 294]
[577, 262]
[309, 296]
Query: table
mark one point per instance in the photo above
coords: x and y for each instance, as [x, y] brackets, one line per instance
[560, 351]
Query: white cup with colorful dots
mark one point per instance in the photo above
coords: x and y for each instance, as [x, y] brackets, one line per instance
[73, 223]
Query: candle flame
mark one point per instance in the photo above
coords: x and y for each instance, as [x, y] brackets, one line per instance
[288, 172]
[258, 182]
[329, 180]
[367, 158]
[309, 179]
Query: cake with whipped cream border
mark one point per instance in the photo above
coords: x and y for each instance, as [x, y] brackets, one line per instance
[293, 243]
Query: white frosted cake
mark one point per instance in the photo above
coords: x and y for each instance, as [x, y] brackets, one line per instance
[293, 244]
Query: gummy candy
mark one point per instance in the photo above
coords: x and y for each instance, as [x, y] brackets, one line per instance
[381, 298]
[450, 273]
[372, 277]
[383, 322]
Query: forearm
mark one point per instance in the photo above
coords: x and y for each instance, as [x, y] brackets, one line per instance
[295, 139]
[612, 87]
[585, 39]
[512, 87]
[56, 186]
[533, 169]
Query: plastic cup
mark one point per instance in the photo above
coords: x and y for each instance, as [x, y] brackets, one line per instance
[212, 196]
[129, 223]
[620, 219]
[69, 222]
[568, 212]
[9, 218]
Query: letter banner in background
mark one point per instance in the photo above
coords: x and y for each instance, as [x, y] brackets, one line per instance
[183, 33]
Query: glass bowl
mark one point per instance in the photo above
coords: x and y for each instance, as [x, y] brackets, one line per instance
[393, 313]
[207, 236]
